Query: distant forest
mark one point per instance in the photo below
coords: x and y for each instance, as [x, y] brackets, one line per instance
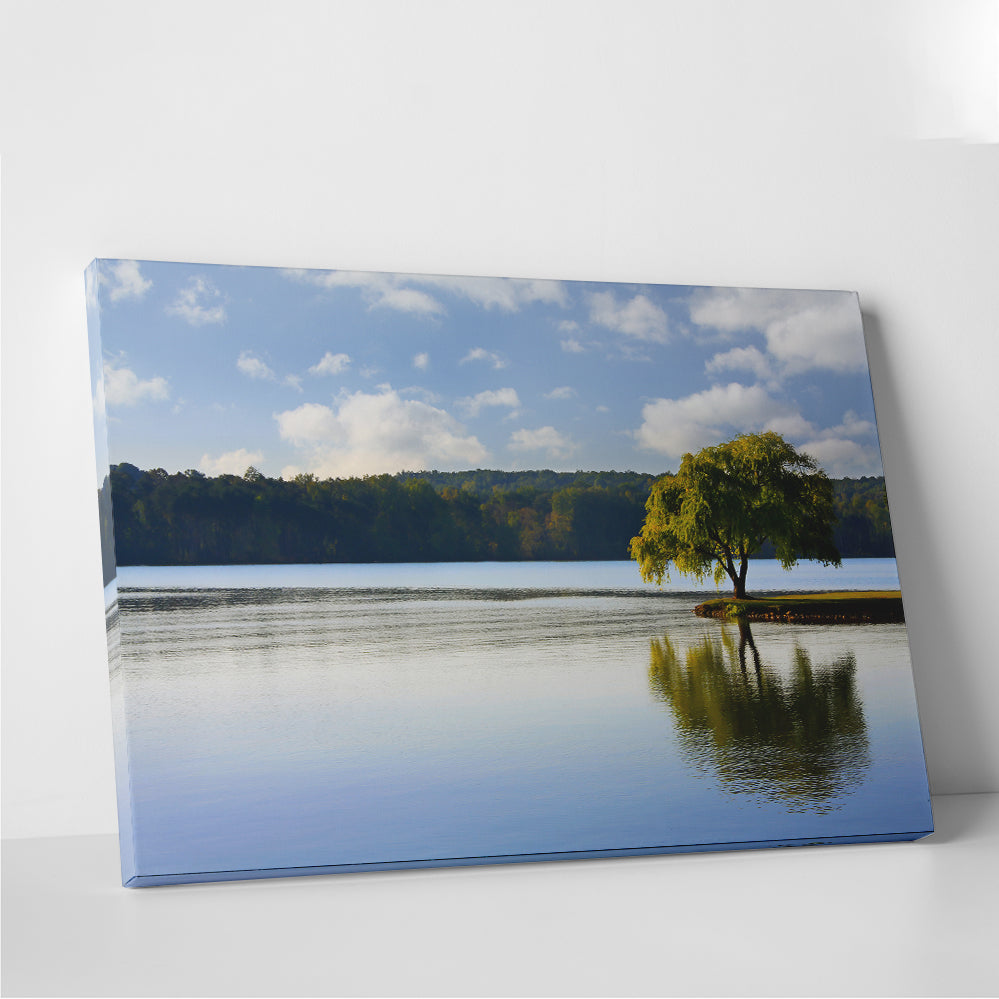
[191, 519]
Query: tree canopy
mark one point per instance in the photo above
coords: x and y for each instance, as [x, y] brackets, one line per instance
[726, 501]
[188, 518]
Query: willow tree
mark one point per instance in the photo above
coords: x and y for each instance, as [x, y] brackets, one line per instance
[726, 501]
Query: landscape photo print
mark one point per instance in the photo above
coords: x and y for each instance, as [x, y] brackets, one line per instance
[409, 570]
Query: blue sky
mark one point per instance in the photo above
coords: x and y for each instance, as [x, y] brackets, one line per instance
[341, 373]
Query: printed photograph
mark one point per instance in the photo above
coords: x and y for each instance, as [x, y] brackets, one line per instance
[410, 570]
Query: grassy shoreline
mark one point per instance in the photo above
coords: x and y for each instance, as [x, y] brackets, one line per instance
[849, 607]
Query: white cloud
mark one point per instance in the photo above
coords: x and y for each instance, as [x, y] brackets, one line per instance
[750, 359]
[839, 457]
[547, 439]
[368, 433]
[124, 280]
[330, 364]
[421, 361]
[310, 423]
[571, 344]
[803, 329]
[199, 303]
[405, 292]
[473, 405]
[122, 387]
[417, 392]
[675, 426]
[410, 300]
[230, 463]
[481, 354]
[253, 367]
[508, 294]
[838, 451]
[852, 426]
[562, 392]
[378, 290]
[640, 317]
[789, 423]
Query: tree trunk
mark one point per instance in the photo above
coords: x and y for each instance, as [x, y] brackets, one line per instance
[740, 579]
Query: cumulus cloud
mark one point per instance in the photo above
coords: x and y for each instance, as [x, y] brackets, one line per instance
[639, 317]
[421, 361]
[838, 450]
[310, 423]
[330, 364]
[804, 330]
[367, 433]
[675, 426]
[473, 405]
[570, 342]
[199, 303]
[409, 300]
[230, 463]
[253, 367]
[416, 392]
[378, 290]
[409, 292]
[852, 426]
[750, 359]
[840, 457]
[123, 387]
[547, 439]
[124, 279]
[562, 392]
[507, 294]
[789, 423]
[481, 354]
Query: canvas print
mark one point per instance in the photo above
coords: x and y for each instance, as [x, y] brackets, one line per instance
[408, 570]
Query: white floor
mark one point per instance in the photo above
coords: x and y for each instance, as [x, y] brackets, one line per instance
[889, 919]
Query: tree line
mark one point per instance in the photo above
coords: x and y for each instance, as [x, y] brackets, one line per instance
[188, 518]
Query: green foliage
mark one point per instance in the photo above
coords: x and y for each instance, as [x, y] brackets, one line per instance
[479, 515]
[726, 501]
[190, 519]
[863, 526]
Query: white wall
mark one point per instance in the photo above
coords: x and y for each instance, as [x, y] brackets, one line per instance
[779, 144]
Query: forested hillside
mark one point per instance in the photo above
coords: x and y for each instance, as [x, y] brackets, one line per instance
[190, 519]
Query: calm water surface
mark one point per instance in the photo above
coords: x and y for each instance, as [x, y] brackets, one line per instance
[283, 716]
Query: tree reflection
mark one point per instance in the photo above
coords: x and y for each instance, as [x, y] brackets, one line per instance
[797, 735]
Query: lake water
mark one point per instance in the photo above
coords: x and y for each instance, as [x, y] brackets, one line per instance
[303, 716]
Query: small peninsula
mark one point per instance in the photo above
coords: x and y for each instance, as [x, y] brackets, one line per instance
[850, 607]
